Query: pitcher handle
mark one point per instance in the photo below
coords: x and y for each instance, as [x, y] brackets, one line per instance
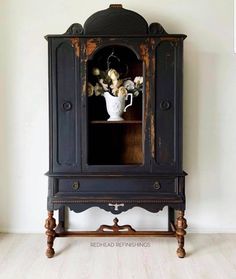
[131, 101]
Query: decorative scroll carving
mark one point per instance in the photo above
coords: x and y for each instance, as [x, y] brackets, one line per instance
[156, 28]
[50, 225]
[181, 225]
[75, 29]
[115, 228]
[154, 208]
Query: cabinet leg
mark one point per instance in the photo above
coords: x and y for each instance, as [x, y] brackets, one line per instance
[181, 225]
[50, 225]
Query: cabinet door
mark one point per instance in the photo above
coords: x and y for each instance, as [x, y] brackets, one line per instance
[119, 145]
[64, 88]
[166, 118]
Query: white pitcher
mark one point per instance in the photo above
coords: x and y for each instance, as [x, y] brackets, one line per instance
[116, 105]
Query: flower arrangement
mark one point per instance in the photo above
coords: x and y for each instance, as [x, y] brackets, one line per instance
[111, 82]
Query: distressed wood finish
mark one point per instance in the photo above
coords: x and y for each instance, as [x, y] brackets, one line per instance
[115, 165]
[50, 225]
[115, 228]
[181, 225]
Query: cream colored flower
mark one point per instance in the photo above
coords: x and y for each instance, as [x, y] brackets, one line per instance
[115, 86]
[122, 91]
[95, 71]
[138, 80]
[113, 74]
[90, 89]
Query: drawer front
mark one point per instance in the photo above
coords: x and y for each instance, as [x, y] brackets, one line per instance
[117, 185]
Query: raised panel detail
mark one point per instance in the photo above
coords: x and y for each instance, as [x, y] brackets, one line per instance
[66, 104]
[165, 99]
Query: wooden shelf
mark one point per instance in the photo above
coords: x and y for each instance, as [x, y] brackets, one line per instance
[116, 122]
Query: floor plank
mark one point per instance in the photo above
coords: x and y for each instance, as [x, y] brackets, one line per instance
[210, 256]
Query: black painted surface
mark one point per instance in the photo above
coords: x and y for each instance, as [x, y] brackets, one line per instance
[166, 109]
[156, 183]
[64, 105]
[106, 22]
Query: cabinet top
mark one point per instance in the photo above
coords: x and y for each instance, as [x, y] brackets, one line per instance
[116, 21]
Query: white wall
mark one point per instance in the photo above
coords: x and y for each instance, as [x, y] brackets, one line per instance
[209, 110]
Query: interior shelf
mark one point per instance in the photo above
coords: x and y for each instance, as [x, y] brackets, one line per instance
[116, 122]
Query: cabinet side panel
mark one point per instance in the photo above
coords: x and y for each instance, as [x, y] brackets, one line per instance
[65, 107]
[165, 103]
[65, 69]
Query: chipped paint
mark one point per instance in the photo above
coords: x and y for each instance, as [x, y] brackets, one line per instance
[152, 136]
[144, 53]
[91, 45]
[76, 45]
[173, 39]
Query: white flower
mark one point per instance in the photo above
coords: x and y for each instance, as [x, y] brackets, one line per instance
[138, 80]
[129, 84]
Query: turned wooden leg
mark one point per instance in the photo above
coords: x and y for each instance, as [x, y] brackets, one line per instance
[50, 225]
[181, 225]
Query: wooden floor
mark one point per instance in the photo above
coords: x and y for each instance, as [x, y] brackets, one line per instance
[208, 256]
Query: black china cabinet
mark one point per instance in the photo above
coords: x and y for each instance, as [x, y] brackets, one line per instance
[115, 162]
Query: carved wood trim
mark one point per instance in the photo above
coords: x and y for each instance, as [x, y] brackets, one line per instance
[50, 225]
[115, 228]
[118, 201]
[181, 225]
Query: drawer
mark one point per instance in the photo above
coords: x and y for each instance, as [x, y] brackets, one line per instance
[117, 185]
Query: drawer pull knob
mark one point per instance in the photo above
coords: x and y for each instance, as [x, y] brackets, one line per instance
[67, 106]
[116, 205]
[157, 185]
[75, 186]
[165, 105]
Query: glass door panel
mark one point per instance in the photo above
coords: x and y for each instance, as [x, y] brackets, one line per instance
[114, 74]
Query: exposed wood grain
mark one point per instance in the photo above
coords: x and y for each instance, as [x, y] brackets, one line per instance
[76, 45]
[181, 225]
[50, 225]
[91, 45]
